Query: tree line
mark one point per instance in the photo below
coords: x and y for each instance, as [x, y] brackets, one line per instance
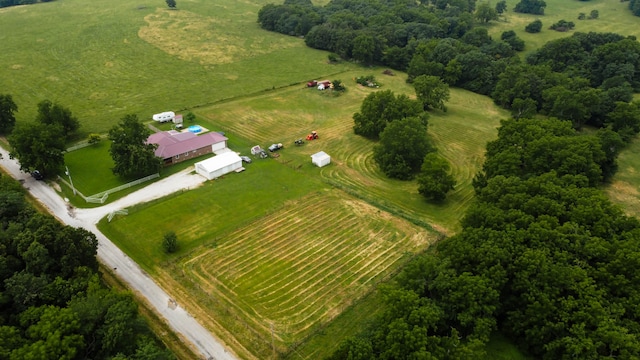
[7, 3]
[53, 303]
[580, 78]
[543, 257]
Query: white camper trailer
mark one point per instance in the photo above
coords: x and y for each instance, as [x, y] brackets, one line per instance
[164, 116]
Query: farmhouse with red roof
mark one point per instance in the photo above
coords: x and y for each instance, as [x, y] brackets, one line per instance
[175, 146]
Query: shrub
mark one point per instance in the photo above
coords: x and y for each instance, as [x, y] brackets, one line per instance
[170, 242]
[93, 139]
[534, 27]
[563, 26]
[368, 80]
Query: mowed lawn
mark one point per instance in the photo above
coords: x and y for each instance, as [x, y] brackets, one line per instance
[460, 134]
[103, 60]
[273, 245]
[293, 271]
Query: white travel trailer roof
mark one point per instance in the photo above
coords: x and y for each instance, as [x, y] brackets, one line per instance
[164, 116]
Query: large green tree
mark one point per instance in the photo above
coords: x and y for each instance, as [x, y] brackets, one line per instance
[435, 179]
[379, 109]
[625, 120]
[530, 7]
[129, 150]
[56, 114]
[38, 146]
[431, 91]
[7, 116]
[402, 147]
[486, 13]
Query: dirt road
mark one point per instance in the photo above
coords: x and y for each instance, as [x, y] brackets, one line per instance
[202, 341]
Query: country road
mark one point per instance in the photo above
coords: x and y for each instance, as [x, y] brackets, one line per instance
[201, 340]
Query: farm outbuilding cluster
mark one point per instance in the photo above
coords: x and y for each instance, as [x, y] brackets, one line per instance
[219, 165]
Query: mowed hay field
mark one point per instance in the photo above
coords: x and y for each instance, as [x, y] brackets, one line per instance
[287, 246]
[294, 270]
[460, 134]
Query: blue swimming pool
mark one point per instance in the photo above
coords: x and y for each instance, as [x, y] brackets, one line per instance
[195, 128]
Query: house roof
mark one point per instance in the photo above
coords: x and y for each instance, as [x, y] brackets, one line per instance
[319, 156]
[172, 143]
[219, 161]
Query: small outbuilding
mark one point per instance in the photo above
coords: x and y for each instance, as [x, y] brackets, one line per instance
[219, 165]
[321, 159]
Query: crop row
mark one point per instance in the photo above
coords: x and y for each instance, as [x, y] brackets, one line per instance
[311, 263]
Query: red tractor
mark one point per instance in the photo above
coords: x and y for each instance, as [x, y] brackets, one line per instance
[312, 136]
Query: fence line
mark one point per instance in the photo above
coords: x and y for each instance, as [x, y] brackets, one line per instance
[78, 146]
[69, 185]
[101, 197]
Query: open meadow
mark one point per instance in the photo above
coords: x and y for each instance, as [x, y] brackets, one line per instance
[284, 257]
[103, 60]
[614, 16]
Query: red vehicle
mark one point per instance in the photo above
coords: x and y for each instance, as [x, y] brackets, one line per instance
[312, 136]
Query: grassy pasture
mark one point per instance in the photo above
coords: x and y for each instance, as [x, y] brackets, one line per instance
[614, 16]
[201, 216]
[107, 59]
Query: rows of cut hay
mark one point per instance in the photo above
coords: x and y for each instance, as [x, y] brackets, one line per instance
[305, 264]
[286, 114]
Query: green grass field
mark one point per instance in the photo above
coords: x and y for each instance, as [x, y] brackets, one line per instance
[614, 16]
[107, 59]
[247, 238]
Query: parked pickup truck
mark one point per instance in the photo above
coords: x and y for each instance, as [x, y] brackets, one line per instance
[275, 147]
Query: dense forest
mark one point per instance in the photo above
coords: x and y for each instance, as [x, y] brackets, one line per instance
[53, 304]
[543, 257]
[5, 3]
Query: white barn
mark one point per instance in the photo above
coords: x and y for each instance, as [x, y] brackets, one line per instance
[219, 165]
[321, 159]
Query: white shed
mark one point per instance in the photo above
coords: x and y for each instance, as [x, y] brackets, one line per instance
[219, 165]
[321, 159]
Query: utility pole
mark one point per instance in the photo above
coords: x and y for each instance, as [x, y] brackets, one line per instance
[71, 181]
